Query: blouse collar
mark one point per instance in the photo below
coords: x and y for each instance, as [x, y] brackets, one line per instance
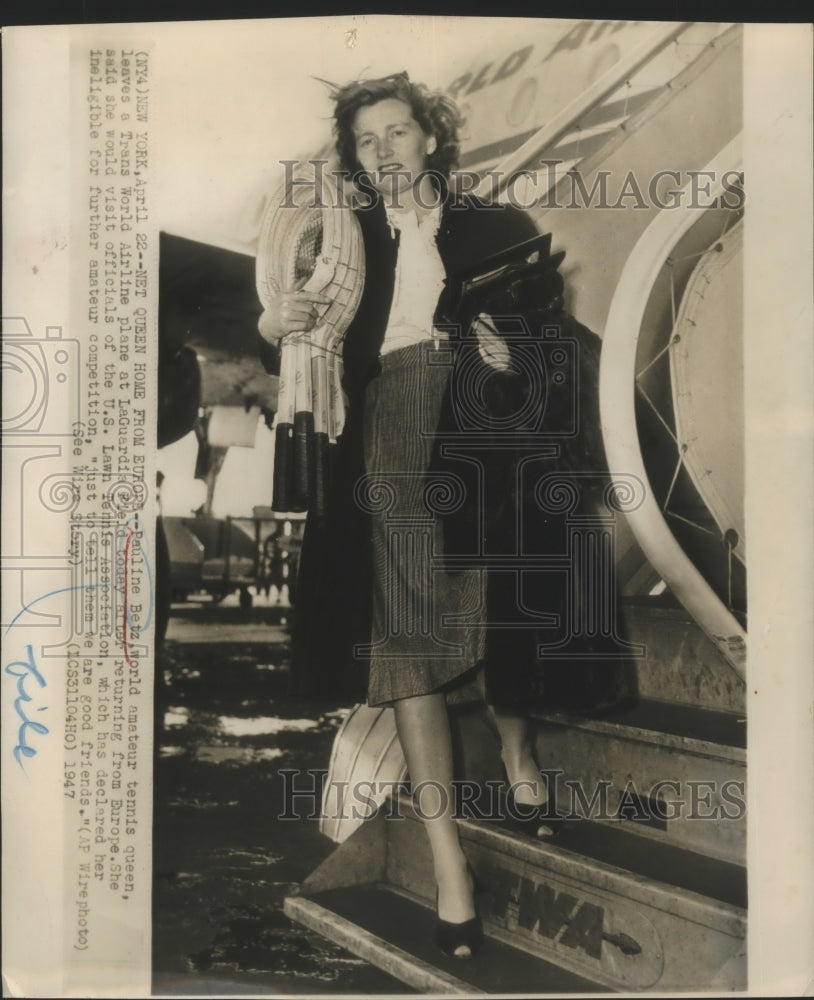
[428, 223]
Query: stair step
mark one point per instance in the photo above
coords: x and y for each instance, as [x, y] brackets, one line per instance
[619, 924]
[395, 933]
[617, 846]
[701, 731]
[675, 773]
[598, 903]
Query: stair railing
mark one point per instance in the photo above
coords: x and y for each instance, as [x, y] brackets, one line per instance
[617, 397]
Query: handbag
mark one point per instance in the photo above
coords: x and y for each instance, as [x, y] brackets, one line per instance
[367, 764]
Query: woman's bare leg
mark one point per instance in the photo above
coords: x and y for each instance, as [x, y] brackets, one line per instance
[423, 728]
[522, 771]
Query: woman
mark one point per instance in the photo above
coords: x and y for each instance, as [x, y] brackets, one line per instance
[399, 142]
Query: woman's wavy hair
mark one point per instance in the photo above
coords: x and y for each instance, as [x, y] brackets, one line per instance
[436, 113]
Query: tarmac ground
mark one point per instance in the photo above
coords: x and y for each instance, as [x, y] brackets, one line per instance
[224, 859]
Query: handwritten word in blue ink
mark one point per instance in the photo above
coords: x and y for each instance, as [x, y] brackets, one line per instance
[51, 593]
[23, 670]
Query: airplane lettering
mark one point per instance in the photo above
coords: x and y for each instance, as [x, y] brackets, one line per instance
[602, 27]
[507, 68]
[571, 921]
[539, 906]
[584, 930]
[513, 63]
[575, 37]
[480, 79]
[459, 82]
[580, 32]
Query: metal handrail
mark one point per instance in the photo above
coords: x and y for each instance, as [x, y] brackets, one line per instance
[564, 122]
[620, 432]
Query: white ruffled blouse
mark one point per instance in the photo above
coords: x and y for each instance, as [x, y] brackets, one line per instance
[419, 279]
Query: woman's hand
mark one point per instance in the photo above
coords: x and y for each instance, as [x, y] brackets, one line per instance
[291, 312]
[493, 348]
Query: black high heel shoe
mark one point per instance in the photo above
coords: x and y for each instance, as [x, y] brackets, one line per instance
[450, 937]
[539, 822]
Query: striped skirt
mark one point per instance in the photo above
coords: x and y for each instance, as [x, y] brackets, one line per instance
[427, 623]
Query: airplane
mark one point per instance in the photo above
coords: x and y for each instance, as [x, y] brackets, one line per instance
[622, 139]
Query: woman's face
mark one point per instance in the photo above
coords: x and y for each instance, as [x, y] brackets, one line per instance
[390, 145]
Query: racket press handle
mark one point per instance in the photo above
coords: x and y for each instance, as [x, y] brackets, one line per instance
[283, 491]
[282, 488]
[302, 458]
[319, 473]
